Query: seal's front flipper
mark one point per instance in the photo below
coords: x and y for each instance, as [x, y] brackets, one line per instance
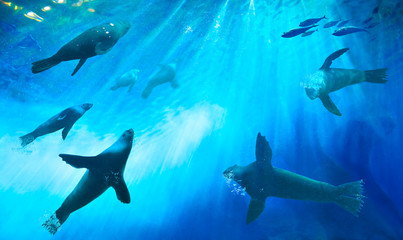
[66, 130]
[79, 161]
[256, 207]
[130, 88]
[329, 105]
[122, 192]
[263, 152]
[332, 57]
[79, 65]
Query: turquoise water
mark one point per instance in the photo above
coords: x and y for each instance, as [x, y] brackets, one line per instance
[237, 76]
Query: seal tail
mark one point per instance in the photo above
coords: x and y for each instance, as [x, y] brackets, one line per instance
[147, 91]
[44, 64]
[113, 88]
[376, 76]
[350, 196]
[26, 139]
[52, 224]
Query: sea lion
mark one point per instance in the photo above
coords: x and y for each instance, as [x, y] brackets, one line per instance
[65, 119]
[104, 170]
[95, 41]
[165, 74]
[261, 180]
[327, 80]
[127, 79]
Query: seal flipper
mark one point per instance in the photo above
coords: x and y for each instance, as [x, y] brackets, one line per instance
[122, 192]
[45, 64]
[66, 130]
[263, 152]
[80, 161]
[256, 207]
[82, 61]
[329, 105]
[332, 57]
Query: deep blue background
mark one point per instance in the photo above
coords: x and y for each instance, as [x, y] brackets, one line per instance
[237, 77]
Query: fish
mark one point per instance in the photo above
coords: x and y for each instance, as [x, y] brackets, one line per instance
[331, 24]
[311, 21]
[296, 31]
[307, 33]
[341, 24]
[348, 30]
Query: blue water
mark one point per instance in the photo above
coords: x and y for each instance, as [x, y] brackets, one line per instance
[237, 76]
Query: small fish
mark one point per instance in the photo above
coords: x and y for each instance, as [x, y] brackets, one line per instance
[348, 30]
[331, 24]
[307, 33]
[296, 31]
[372, 25]
[341, 24]
[311, 21]
[367, 21]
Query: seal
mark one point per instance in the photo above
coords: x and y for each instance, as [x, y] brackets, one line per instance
[165, 74]
[126, 80]
[103, 171]
[261, 180]
[95, 41]
[327, 80]
[64, 119]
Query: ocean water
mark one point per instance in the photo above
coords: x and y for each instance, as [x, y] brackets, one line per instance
[236, 77]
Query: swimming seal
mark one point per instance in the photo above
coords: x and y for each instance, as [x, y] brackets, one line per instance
[64, 119]
[164, 75]
[95, 41]
[261, 180]
[104, 170]
[327, 80]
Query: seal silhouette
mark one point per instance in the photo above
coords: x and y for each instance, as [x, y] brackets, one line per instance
[166, 74]
[64, 119]
[261, 180]
[327, 80]
[95, 41]
[104, 170]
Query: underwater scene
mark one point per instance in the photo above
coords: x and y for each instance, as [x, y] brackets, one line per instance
[215, 119]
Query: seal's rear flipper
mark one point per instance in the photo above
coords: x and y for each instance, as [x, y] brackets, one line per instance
[26, 139]
[329, 105]
[44, 64]
[350, 197]
[82, 61]
[79, 161]
[256, 207]
[52, 224]
[147, 91]
[122, 192]
[376, 76]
